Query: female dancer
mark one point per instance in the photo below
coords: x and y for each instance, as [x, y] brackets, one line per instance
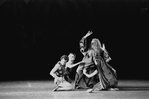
[101, 75]
[80, 79]
[69, 65]
[58, 73]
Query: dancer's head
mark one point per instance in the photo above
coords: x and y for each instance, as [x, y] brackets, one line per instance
[96, 45]
[71, 56]
[64, 59]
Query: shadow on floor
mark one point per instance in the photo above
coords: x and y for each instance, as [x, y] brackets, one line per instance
[133, 88]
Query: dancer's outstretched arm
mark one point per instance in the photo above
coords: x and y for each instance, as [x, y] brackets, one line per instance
[73, 65]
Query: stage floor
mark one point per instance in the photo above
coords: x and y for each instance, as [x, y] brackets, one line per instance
[128, 89]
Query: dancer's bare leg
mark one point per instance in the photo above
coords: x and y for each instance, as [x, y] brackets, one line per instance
[78, 76]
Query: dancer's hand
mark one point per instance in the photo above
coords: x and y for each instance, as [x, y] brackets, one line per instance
[103, 47]
[88, 34]
[55, 80]
[58, 80]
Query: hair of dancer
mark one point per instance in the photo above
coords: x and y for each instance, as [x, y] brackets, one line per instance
[96, 73]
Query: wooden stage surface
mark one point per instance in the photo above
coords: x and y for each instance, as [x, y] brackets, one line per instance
[128, 89]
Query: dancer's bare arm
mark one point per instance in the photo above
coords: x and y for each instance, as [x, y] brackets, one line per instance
[73, 65]
[88, 34]
[83, 42]
[52, 73]
[106, 55]
[90, 75]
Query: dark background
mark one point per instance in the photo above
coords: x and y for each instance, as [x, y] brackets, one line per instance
[36, 33]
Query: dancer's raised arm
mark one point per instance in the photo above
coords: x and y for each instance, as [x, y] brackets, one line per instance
[106, 55]
[88, 34]
[83, 42]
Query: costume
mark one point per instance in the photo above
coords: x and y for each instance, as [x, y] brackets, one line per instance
[61, 84]
[106, 76]
[81, 81]
[67, 73]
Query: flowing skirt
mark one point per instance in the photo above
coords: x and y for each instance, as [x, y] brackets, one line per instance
[106, 77]
[81, 81]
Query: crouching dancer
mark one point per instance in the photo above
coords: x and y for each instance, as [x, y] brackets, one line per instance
[58, 74]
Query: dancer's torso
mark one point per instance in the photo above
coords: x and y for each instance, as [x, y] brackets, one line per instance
[61, 70]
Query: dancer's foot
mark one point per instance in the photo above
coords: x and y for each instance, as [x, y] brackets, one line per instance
[113, 89]
[55, 89]
[78, 87]
[89, 90]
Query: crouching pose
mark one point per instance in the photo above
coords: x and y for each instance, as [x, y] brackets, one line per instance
[58, 73]
[69, 65]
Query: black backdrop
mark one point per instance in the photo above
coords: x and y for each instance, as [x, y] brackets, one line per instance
[36, 33]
